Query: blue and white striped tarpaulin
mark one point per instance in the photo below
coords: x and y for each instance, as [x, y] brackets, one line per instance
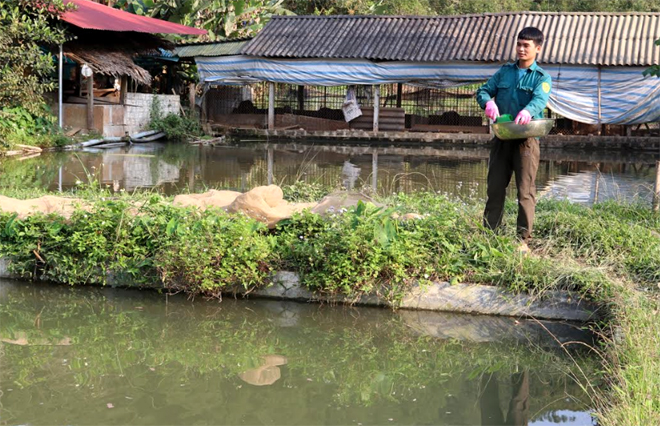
[627, 97]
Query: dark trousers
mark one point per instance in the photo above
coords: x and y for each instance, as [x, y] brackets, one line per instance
[520, 156]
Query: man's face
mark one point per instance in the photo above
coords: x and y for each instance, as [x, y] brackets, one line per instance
[527, 49]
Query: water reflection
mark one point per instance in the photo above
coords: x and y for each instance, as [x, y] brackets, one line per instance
[584, 177]
[143, 358]
[267, 373]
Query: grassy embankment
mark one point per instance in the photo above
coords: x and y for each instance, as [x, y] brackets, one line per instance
[609, 253]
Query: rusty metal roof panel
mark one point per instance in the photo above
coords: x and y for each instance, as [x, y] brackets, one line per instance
[572, 38]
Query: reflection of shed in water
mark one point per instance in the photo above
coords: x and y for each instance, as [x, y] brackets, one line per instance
[137, 171]
[592, 186]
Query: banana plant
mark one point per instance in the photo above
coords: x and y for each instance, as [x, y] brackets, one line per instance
[222, 19]
[239, 18]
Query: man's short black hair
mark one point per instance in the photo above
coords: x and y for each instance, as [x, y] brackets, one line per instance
[533, 34]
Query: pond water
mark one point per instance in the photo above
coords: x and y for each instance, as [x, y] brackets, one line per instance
[109, 356]
[584, 177]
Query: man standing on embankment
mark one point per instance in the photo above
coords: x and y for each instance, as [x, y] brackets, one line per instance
[520, 89]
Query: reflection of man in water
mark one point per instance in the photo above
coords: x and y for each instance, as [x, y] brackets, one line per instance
[489, 401]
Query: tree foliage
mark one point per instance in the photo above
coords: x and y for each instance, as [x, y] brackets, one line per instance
[26, 27]
[453, 7]
[655, 69]
[221, 18]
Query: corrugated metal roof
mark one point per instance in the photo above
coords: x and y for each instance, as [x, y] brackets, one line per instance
[223, 48]
[96, 16]
[571, 38]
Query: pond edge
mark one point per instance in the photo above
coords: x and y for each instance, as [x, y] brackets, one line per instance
[438, 296]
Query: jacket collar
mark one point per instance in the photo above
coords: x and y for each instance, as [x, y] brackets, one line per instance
[532, 67]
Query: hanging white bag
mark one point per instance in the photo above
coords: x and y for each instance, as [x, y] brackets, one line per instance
[351, 109]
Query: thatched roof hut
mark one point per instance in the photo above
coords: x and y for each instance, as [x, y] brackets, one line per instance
[114, 55]
[108, 39]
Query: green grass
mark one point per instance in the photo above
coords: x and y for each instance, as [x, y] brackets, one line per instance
[633, 368]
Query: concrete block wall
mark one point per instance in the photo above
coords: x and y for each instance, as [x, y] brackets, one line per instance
[138, 109]
[117, 120]
[113, 120]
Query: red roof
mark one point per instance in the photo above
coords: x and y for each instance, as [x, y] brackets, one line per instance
[95, 16]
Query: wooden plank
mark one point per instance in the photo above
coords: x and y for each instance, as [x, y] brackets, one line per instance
[281, 120]
[388, 119]
[448, 129]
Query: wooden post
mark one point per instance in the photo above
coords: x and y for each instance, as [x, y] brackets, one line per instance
[123, 89]
[656, 191]
[399, 90]
[376, 106]
[90, 102]
[80, 81]
[600, 116]
[271, 105]
[301, 98]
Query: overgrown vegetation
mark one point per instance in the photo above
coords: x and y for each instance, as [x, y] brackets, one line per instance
[361, 250]
[177, 128]
[20, 126]
[27, 30]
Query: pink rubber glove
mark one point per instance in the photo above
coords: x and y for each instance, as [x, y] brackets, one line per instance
[492, 111]
[523, 117]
